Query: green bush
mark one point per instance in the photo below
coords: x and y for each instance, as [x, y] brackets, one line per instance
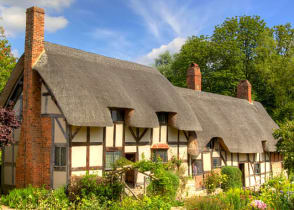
[205, 203]
[234, 178]
[94, 186]
[236, 198]
[26, 198]
[166, 183]
[56, 199]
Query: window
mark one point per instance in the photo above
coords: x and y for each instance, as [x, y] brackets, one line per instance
[213, 144]
[162, 118]
[216, 162]
[197, 167]
[117, 115]
[111, 157]
[159, 153]
[60, 157]
[257, 168]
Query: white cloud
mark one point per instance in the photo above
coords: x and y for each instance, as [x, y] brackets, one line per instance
[15, 53]
[12, 13]
[49, 4]
[173, 47]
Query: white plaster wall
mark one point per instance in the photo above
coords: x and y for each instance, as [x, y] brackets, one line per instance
[252, 181]
[163, 134]
[78, 156]
[172, 151]
[81, 136]
[268, 166]
[172, 134]
[109, 136]
[235, 159]
[96, 134]
[155, 135]
[206, 162]
[59, 179]
[118, 135]
[215, 154]
[242, 157]
[58, 136]
[262, 167]
[229, 161]
[96, 172]
[78, 173]
[96, 155]
[130, 149]
[182, 137]
[183, 152]
[128, 135]
[146, 137]
[51, 106]
[144, 150]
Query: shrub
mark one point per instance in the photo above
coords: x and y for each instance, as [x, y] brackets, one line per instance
[166, 183]
[94, 186]
[26, 198]
[56, 199]
[236, 198]
[234, 178]
[205, 203]
[212, 181]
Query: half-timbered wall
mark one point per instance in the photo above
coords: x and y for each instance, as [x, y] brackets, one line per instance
[10, 152]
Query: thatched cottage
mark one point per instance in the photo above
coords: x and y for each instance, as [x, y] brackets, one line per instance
[82, 111]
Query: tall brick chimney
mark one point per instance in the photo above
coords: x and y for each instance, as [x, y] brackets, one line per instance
[194, 77]
[244, 90]
[31, 164]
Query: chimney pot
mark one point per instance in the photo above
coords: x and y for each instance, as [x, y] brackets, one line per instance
[193, 78]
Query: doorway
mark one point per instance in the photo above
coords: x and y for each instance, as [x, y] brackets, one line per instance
[130, 178]
[242, 169]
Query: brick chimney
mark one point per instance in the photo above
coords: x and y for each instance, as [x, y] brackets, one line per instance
[194, 77]
[32, 166]
[244, 90]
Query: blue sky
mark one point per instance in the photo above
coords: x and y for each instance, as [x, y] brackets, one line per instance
[134, 30]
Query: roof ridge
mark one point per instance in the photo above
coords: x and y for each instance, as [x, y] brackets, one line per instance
[90, 56]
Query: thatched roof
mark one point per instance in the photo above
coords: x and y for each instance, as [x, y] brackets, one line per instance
[86, 85]
[241, 125]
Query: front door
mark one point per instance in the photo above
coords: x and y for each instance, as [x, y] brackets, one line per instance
[130, 175]
[242, 169]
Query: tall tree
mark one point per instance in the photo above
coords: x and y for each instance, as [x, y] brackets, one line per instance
[7, 60]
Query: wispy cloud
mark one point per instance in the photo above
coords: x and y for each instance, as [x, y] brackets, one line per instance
[12, 13]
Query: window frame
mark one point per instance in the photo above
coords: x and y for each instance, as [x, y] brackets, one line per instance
[219, 161]
[162, 118]
[117, 115]
[106, 168]
[60, 153]
[154, 159]
[197, 171]
[255, 168]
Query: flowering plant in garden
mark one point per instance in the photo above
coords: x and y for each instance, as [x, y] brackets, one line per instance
[8, 122]
[258, 204]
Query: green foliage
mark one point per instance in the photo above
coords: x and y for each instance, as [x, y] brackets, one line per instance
[27, 198]
[241, 48]
[55, 199]
[94, 186]
[7, 60]
[205, 203]
[212, 181]
[285, 145]
[236, 198]
[234, 178]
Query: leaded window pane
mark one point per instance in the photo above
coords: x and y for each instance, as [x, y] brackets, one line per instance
[162, 118]
[60, 156]
[216, 162]
[197, 167]
[257, 168]
[160, 153]
[111, 157]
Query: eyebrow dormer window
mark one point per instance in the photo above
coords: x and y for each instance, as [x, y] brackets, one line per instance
[117, 115]
[162, 118]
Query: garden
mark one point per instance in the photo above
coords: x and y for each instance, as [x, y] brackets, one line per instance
[164, 191]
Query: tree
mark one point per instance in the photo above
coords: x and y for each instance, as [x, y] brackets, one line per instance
[285, 145]
[7, 60]
[163, 64]
[8, 122]
[243, 48]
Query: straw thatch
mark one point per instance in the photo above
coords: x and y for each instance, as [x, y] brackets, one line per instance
[241, 125]
[86, 85]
